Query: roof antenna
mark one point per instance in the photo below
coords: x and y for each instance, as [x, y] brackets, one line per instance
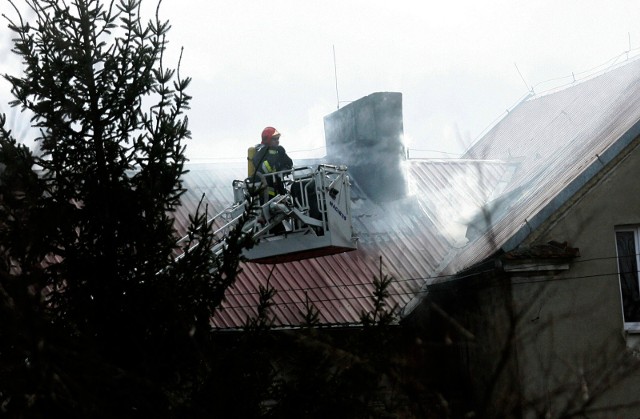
[335, 74]
[523, 80]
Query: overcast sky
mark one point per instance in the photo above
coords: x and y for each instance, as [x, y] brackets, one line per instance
[458, 64]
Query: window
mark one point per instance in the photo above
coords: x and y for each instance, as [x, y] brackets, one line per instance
[627, 245]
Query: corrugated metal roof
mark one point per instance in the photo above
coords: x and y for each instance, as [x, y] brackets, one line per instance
[515, 172]
[554, 139]
[405, 234]
[451, 191]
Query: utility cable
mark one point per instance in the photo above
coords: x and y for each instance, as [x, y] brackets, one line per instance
[433, 278]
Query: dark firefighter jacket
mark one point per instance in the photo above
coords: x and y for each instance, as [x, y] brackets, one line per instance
[270, 159]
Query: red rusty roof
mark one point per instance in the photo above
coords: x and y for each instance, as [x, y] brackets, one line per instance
[403, 235]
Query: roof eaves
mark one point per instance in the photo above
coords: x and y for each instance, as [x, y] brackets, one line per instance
[599, 163]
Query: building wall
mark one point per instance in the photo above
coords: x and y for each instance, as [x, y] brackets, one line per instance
[489, 355]
[571, 342]
[568, 353]
[466, 323]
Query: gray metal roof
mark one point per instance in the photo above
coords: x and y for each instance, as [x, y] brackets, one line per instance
[558, 142]
[457, 213]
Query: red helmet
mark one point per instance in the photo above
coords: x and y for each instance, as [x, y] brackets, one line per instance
[268, 134]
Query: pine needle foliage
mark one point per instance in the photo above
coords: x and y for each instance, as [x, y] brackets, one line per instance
[103, 318]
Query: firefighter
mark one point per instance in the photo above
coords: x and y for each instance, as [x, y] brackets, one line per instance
[271, 157]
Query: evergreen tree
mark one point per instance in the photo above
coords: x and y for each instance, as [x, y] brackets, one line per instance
[103, 319]
[99, 318]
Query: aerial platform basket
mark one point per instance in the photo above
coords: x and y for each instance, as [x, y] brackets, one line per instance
[311, 217]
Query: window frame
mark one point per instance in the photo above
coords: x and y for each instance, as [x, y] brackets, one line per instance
[631, 327]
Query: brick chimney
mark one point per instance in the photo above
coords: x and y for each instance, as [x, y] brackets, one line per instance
[366, 135]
